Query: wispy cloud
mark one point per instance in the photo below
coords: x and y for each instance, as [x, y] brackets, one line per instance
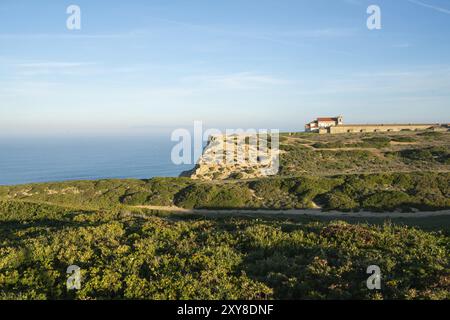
[426, 5]
[241, 80]
[53, 64]
[425, 81]
[35, 68]
[26, 88]
[72, 35]
[289, 37]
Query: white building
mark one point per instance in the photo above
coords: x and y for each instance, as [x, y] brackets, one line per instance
[323, 123]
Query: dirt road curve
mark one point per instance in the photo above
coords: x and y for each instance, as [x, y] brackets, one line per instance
[303, 212]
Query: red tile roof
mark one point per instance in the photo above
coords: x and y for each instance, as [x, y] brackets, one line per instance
[326, 119]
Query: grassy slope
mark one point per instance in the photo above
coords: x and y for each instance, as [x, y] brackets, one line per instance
[347, 172]
[126, 252]
[379, 192]
[137, 255]
[315, 154]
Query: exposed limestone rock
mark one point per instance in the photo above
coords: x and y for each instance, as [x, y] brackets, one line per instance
[237, 157]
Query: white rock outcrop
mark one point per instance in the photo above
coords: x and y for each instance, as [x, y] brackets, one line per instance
[237, 157]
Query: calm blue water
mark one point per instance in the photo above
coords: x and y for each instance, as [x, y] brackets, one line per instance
[56, 159]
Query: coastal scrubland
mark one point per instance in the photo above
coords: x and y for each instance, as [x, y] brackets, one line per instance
[134, 254]
[375, 192]
[126, 251]
[364, 153]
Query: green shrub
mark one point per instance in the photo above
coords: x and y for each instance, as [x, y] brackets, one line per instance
[137, 198]
[431, 134]
[237, 176]
[371, 142]
[387, 200]
[266, 187]
[307, 189]
[211, 196]
[162, 190]
[329, 145]
[338, 201]
[403, 139]
[130, 253]
[438, 154]
[417, 154]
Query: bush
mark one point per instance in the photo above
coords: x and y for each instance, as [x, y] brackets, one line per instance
[329, 145]
[338, 201]
[403, 139]
[211, 196]
[221, 258]
[237, 176]
[417, 154]
[137, 198]
[162, 190]
[373, 142]
[307, 189]
[434, 154]
[129, 253]
[387, 200]
[431, 134]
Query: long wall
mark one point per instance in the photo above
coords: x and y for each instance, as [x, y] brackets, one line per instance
[353, 128]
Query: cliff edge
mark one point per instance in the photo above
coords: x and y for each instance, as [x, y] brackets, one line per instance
[237, 157]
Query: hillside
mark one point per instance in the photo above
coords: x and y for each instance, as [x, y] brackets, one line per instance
[314, 154]
[365, 153]
[378, 192]
[127, 251]
[135, 254]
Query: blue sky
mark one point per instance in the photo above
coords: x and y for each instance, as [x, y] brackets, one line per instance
[137, 67]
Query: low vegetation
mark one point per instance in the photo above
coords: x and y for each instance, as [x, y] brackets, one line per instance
[428, 155]
[213, 196]
[127, 250]
[379, 192]
[373, 142]
[326, 155]
[132, 254]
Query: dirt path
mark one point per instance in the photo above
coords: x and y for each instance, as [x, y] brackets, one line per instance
[302, 212]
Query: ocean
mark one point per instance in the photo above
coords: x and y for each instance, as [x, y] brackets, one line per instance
[25, 160]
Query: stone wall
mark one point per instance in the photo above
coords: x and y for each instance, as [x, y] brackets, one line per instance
[355, 128]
